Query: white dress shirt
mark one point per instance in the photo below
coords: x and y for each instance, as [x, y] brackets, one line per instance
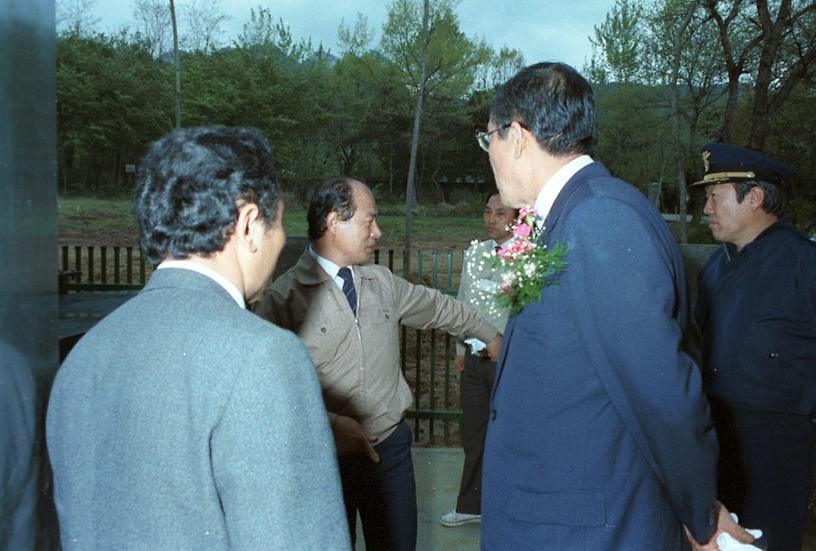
[330, 268]
[553, 186]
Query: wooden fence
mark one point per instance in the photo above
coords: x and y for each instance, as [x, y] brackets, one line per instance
[426, 355]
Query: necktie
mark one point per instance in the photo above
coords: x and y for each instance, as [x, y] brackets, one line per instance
[348, 288]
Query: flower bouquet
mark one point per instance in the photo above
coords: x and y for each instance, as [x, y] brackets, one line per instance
[526, 264]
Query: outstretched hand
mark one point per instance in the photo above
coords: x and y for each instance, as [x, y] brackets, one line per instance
[724, 524]
[350, 438]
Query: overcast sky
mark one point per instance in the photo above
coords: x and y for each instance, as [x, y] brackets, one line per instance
[551, 30]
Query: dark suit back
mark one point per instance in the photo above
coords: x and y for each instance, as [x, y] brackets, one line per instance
[600, 436]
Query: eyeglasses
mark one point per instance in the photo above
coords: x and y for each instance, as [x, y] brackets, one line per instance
[483, 138]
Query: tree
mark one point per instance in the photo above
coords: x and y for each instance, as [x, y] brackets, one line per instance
[451, 61]
[618, 45]
[203, 25]
[437, 63]
[75, 16]
[354, 39]
[113, 98]
[497, 68]
[177, 62]
[410, 189]
[779, 51]
[153, 24]
[262, 32]
[787, 57]
[688, 62]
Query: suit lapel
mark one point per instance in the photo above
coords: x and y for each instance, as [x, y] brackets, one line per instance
[561, 205]
[577, 182]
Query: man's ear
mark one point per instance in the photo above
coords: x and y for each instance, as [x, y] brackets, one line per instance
[756, 196]
[332, 219]
[518, 138]
[247, 226]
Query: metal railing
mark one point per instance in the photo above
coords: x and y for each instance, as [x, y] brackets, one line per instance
[425, 355]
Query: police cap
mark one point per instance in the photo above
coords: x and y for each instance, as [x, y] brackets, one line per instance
[729, 163]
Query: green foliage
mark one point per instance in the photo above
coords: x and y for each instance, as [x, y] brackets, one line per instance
[632, 126]
[323, 115]
[111, 98]
[618, 45]
[453, 62]
[791, 139]
[353, 114]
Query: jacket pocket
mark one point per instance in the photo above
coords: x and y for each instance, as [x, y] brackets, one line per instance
[584, 508]
[324, 337]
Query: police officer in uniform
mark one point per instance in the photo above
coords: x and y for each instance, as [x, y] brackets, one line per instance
[756, 312]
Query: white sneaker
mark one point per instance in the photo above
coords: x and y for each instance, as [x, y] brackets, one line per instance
[454, 518]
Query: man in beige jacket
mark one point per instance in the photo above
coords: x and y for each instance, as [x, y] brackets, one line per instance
[349, 315]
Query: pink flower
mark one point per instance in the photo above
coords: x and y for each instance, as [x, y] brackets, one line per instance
[524, 211]
[522, 230]
[505, 288]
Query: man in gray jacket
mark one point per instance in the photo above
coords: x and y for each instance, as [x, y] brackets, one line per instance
[349, 315]
[182, 421]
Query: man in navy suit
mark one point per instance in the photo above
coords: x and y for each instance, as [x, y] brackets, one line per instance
[182, 421]
[599, 434]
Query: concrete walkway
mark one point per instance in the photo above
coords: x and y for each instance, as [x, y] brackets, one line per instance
[437, 472]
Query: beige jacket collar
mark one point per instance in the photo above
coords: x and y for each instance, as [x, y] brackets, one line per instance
[308, 271]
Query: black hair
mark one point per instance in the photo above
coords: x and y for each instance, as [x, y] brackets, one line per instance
[491, 193]
[495, 191]
[333, 195]
[191, 184]
[772, 201]
[554, 102]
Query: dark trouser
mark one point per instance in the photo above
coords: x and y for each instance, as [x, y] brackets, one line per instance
[477, 382]
[765, 470]
[384, 493]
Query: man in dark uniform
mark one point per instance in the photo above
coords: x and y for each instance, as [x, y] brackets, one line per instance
[757, 315]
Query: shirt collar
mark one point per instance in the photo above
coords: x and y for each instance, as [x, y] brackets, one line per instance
[329, 267]
[504, 243]
[549, 192]
[208, 272]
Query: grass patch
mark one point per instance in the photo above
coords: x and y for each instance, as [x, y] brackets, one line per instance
[109, 221]
[103, 221]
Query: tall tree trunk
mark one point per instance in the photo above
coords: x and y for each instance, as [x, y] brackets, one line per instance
[677, 48]
[735, 64]
[117, 169]
[772, 39]
[410, 189]
[697, 204]
[725, 134]
[178, 63]
[391, 171]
